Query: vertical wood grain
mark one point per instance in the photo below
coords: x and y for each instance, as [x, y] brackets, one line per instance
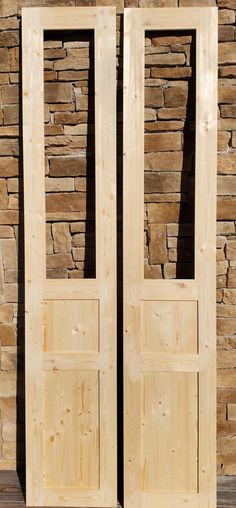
[71, 430]
[105, 146]
[33, 147]
[205, 253]
[133, 249]
[169, 432]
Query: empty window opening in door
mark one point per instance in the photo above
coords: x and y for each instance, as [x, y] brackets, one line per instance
[169, 158]
[69, 153]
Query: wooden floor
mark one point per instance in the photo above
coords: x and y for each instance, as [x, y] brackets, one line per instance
[11, 495]
[226, 491]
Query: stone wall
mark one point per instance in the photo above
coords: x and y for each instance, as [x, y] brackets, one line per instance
[69, 181]
[69, 154]
[169, 154]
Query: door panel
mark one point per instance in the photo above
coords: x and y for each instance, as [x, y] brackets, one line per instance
[169, 325]
[70, 357]
[71, 325]
[71, 429]
[169, 431]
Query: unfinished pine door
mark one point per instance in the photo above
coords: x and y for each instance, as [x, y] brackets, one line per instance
[70, 324]
[169, 325]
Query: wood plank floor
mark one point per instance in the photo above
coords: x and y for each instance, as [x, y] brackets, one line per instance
[226, 491]
[11, 495]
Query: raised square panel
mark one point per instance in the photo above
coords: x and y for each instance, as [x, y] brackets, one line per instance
[71, 430]
[169, 326]
[169, 432]
[71, 325]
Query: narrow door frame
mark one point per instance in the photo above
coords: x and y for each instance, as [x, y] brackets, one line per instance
[39, 289]
[202, 288]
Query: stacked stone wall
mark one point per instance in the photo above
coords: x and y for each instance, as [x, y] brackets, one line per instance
[69, 186]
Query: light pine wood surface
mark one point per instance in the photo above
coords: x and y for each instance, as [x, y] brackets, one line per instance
[70, 325]
[169, 326]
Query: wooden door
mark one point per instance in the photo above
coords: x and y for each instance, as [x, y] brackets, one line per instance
[169, 325]
[70, 357]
